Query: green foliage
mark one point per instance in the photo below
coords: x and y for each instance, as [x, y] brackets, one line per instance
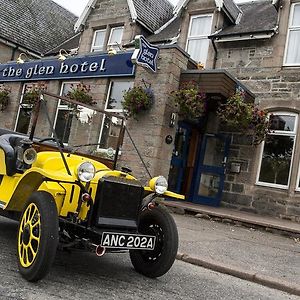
[31, 95]
[4, 97]
[190, 100]
[244, 117]
[80, 93]
[137, 100]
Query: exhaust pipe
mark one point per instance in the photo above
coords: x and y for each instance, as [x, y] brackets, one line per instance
[100, 251]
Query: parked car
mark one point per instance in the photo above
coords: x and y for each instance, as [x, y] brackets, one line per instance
[70, 200]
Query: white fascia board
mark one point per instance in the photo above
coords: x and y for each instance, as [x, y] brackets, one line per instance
[81, 20]
[132, 10]
[181, 4]
[219, 4]
[258, 36]
[165, 25]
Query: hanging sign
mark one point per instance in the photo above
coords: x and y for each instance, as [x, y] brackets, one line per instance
[145, 54]
[88, 66]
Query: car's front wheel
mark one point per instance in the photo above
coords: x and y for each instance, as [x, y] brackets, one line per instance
[37, 236]
[157, 262]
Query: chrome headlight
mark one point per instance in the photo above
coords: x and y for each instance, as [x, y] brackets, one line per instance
[86, 172]
[159, 184]
[29, 156]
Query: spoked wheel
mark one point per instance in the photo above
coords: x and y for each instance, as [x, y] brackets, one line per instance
[37, 236]
[157, 262]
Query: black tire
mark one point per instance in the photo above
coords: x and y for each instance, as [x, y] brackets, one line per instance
[37, 236]
[159, 261]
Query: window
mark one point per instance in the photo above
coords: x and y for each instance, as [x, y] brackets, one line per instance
[197, 41]
[115, 37]
[24, 112]
[98, 40]
[111, 126]
[292, 55]
[64, 115]
[114, 40]
[278, 150]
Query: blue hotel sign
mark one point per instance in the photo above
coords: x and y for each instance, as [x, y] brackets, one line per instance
[77, 67]
[145, 54]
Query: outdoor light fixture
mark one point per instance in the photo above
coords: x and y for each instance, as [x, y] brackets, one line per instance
[111, 51]
[20, 60]
[200, 66]
[62, 54]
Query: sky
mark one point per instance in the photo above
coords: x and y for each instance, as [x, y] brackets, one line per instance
[77, 6]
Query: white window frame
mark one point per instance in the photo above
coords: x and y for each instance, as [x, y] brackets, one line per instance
[200, 37]
[110, 109]
[290, 28]
[113, 44]
[62, 107]
[98, 48]
[281, 133]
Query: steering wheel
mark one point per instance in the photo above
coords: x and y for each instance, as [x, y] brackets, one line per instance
[52, 139]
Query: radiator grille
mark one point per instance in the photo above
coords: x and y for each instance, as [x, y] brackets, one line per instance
[118, 201]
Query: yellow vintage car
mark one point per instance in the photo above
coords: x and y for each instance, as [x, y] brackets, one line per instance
[69, 200]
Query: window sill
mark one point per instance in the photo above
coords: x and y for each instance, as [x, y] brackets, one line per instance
[273, 186]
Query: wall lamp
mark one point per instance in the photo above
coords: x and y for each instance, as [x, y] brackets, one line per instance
[63, 54]
[20, 60]
[172, 121]
[200, 66]
[111, 51]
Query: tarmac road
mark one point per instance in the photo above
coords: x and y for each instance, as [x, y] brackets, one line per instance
[85, 276]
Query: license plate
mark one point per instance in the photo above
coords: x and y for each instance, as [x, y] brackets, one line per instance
[127, 241]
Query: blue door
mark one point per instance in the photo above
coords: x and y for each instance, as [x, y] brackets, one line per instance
[180, 157]
[208, 181]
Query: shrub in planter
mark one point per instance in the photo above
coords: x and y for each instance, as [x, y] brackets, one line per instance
[190, 100]
[137, 100]
[244, 117]
[4, 97]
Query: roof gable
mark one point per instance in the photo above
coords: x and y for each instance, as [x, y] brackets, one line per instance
[37, 25]
[257, 17]
[153, 13]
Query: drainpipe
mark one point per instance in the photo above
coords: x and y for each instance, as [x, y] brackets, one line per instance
[13, 53]
[216, 53]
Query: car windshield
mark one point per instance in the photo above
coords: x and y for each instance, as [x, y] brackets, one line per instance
[83, 128]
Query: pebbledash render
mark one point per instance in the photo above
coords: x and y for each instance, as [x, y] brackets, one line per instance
[223, 47]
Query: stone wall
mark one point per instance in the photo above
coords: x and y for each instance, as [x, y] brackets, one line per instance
[105, 15]
[149, 131]
[259, 65]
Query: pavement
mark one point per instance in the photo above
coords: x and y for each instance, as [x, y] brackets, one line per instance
[259, 249]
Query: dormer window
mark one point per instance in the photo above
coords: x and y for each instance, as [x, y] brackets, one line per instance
[292, 55]
[197, 40]
[104, 39]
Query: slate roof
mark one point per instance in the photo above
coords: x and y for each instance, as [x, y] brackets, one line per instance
[231, 9]
[38, 25]
[153, 13]
[167, 34]
[257, 17]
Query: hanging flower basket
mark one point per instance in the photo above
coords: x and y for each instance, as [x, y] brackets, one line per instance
[80, 92]
[244, 117]
[137, 100]
[4, 97]
[31, 93]
[31, 96]
[190, 100]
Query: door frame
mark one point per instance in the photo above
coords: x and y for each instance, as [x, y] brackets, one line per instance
[201, 168]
